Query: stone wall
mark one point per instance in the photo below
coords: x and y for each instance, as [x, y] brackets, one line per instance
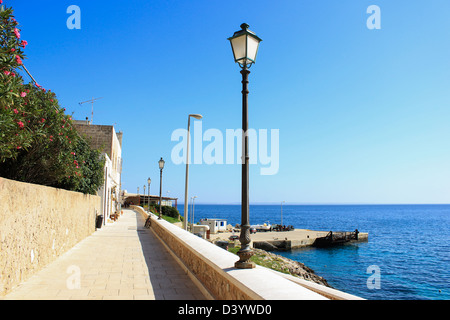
[100, 137]
[38, 224]
[212, 268]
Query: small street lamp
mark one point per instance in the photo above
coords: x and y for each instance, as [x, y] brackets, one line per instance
[192, 218]
[244, 44]
[186, 204]
[149, 181]
[139, 197]
[144, 196]
[161, 167]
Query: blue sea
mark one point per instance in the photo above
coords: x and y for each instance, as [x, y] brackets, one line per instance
[407, 256]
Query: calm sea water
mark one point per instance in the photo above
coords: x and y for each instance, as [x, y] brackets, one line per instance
[408, 244]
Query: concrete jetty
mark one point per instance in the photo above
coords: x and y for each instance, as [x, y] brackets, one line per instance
[284, 240]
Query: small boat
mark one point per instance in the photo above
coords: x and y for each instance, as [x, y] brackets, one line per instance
[336, 238]
[263, 227]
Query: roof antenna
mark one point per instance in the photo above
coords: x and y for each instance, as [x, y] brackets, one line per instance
[92, 102]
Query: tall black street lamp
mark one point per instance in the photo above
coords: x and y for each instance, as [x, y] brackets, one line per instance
[149, 181]
[161, 167]
[245, 48]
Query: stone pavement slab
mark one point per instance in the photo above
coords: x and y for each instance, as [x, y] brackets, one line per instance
[120, 261]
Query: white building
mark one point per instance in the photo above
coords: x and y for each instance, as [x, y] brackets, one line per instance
[215, 225]
[105, 139]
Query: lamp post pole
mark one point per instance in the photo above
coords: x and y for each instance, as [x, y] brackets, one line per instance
[186, 204]
[245, 47]
[149, 181]
[245, 252]
[144, 197]
[161, 167]
[192, 217]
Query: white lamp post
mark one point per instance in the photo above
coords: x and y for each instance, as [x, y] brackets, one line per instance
[186, 204]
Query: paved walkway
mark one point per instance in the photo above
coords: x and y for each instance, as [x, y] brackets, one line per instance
[120, 261]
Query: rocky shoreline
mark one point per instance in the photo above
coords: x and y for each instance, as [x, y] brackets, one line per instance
[285, 265]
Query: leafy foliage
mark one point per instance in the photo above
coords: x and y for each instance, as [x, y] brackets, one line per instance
[38, 143]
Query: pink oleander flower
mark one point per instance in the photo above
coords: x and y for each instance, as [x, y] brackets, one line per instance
[20, 123]
[16, 111]
[6, 72]
[13, 49]
[17, 33]
[19, 61]
[24, 43]
[23, 94]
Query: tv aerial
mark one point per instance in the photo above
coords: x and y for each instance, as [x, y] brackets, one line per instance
[92, 103]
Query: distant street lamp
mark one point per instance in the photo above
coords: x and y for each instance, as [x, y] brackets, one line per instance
[192, 218]
[245, 48]
[139, 197]
[161, 167]
[186, 204]
[149, 181]
[143, 204]
[144, 196]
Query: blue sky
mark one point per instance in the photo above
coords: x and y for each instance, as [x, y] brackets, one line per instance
[363, 115]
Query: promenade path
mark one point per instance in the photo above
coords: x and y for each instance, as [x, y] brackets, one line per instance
[120, 261]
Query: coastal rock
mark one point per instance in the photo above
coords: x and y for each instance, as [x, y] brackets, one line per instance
[264, 245]
[292, 267]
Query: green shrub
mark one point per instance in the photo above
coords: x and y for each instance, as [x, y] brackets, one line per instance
[166, 211]
[38, 143]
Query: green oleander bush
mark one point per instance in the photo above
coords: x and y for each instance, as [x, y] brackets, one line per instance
[38, 143]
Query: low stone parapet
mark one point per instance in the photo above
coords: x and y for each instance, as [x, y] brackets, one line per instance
[212, 269]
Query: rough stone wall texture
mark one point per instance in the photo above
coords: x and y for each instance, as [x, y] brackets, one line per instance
[100, 137]
[38, 224]
[216, 281]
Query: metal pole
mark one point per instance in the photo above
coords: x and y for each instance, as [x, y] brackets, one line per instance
[143, 202]
[160, 194]
[193, 205]
[192, 208]
[245, 253]
[186, 204]
[148, 208]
